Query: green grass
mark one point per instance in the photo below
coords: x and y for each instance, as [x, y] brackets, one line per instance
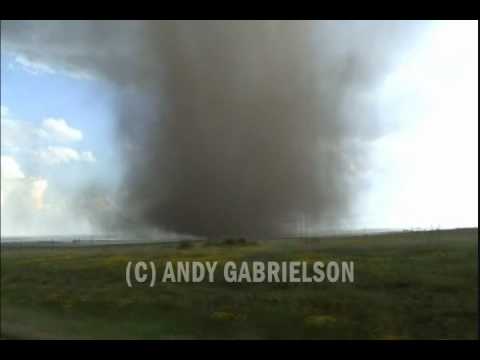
[420, 285]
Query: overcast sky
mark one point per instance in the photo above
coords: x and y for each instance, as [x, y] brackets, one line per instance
[57, 136]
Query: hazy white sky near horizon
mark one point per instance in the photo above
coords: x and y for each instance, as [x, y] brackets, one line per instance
[423, 172]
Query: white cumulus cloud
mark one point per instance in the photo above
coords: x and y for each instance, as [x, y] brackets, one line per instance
[60, 130]
[31, 204]
[21, 190]
[61, 154]
[39, 186]
[10, 168]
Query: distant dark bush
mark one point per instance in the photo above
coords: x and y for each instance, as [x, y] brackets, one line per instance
[228, 242]
[185, 245]
[234, 241]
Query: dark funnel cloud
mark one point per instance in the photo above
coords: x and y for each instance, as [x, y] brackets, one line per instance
[232, 128]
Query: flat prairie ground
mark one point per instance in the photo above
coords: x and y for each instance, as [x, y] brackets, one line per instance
[408, 285]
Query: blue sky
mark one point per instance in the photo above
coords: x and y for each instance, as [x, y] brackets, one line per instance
[85, 104]
[57, 139]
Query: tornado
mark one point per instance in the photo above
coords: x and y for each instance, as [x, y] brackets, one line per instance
[232, 128]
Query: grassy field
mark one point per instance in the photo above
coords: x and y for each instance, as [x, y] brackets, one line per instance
[410, 285]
